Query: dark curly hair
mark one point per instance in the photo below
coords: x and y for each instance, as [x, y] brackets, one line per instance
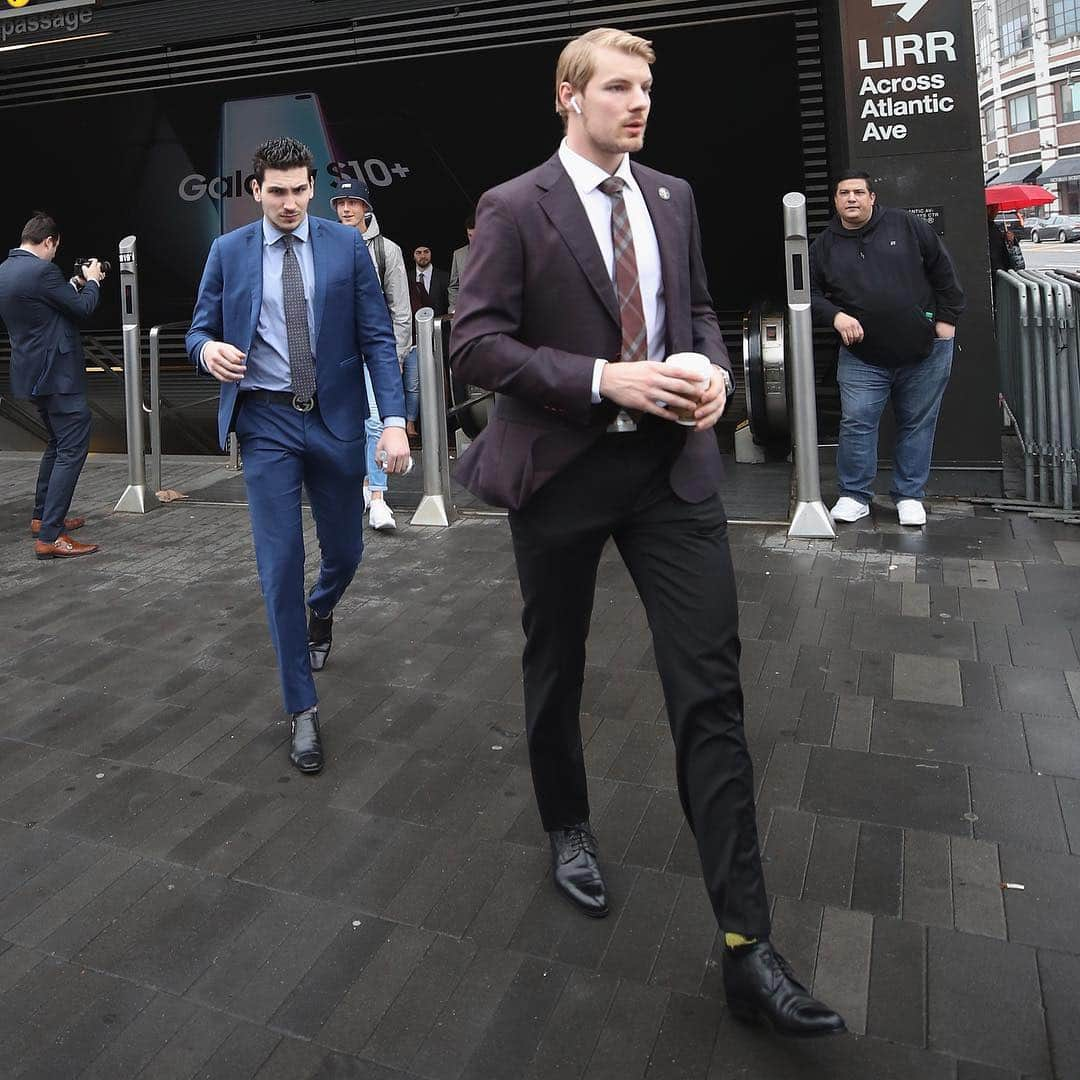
[283, 154]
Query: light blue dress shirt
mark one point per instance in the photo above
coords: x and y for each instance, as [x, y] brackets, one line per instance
[268, 358]
[267, 361]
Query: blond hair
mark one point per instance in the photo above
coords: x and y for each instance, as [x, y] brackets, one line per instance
[577, 61]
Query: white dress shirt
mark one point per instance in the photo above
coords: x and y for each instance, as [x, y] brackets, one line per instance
[586, 176]
[424, 276]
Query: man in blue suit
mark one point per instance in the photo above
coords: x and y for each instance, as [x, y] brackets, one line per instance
[40, 308]
[289, 311]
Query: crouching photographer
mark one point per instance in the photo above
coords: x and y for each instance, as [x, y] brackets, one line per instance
[41, 310]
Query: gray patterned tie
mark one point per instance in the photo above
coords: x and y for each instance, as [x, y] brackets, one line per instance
[301, 362]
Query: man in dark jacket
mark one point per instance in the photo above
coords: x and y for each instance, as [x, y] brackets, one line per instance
[585, 275]
[428, 285]
[882, 279]
[40, 309]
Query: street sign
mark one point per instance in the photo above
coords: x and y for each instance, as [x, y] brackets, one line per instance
[909, 76]
[934, 216]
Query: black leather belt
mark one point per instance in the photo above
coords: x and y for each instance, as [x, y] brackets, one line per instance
[280, 397]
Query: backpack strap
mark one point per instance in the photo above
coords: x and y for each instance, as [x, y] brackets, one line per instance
[380, 258]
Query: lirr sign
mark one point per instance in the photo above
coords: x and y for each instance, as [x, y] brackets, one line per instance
[909, 75]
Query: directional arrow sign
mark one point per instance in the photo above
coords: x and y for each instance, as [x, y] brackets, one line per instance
[908, 8]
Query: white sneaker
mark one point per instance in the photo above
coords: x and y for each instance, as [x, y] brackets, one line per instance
[911, 512]
[381, 516]
[848, 509]
[367, 498]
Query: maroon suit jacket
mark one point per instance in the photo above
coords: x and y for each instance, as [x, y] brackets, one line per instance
[538, 308]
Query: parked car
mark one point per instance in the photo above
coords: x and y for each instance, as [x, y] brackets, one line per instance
[1062, 227]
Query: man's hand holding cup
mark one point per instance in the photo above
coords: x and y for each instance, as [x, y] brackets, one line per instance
[654, 387]
[708, 384]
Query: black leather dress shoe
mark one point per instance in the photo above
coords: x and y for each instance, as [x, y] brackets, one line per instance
[306, 753]
[760, 985]
[320, 633]
[575, 869]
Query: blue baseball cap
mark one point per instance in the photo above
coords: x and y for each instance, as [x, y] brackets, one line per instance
[349, 188]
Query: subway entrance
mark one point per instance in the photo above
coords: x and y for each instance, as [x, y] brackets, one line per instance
[738, 111]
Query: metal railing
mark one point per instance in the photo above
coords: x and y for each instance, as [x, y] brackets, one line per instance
[160, 408]
[1039, 371]
[437, 504]
[809, 519]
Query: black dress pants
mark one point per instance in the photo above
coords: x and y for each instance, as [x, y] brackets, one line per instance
[678, 556]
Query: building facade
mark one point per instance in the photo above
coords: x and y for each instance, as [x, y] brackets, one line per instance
[1028, 60]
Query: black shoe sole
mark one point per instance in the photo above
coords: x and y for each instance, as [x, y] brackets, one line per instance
[591, 912]
[318, 665]
[307, 770]
[757, 1018]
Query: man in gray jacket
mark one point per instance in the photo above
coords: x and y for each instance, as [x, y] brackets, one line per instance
[461, 258]
[352, 203]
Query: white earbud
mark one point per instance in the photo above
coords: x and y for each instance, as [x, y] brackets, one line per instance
[574, 105]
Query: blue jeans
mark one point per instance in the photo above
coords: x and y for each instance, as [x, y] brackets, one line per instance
[373, 429]
[916, 391]
[411, 380]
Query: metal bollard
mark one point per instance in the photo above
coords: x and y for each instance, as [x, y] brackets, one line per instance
[155, 408]
[136, 498]
[810, 520]
[437, 505]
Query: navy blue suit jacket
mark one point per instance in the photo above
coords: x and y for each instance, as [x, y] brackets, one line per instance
[352, 325]
[39, 306]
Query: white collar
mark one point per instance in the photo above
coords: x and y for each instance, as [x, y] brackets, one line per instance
[587, 176]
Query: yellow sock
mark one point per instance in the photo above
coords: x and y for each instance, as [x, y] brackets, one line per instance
[733, 941]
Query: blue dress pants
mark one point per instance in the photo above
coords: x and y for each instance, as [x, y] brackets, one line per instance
[283, 452]
[67, 419]
[916, 391]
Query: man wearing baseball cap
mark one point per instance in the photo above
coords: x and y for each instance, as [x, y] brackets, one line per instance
[352, 204]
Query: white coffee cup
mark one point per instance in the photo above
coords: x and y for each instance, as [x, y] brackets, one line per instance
[699, 366]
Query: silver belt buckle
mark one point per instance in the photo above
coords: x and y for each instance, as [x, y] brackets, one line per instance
[303, 404]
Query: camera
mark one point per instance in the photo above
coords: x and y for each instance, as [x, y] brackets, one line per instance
[106, 266]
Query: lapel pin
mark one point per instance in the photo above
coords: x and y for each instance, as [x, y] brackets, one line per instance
[664, 193]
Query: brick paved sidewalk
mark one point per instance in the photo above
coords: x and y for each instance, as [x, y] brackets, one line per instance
[176, 901]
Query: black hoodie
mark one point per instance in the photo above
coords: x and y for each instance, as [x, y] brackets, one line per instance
[893, 275]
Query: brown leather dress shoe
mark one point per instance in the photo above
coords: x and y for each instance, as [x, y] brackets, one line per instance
[70, 525]
[63, 547]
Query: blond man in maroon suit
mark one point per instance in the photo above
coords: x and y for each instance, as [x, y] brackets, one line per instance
[584, 261]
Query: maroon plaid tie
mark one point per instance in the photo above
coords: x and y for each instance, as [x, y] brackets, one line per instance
[635, 338]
